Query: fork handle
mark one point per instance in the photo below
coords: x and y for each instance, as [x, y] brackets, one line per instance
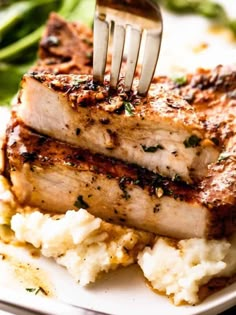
[134, 7]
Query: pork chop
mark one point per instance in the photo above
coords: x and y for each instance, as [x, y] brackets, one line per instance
[55, 177]
[65, 47]
[160, 132]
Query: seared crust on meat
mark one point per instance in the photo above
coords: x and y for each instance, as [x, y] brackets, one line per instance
[210, 92]
[160, 132]
[33, 155]
[159, 105]
[212, 95]
[65, 47]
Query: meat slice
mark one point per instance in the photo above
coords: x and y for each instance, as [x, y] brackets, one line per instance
[55, 177]
[65, 47]
[161, 132]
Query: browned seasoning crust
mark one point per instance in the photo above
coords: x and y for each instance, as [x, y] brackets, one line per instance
[65, 47]
[161, 105]
[45, 152]
[212, 94]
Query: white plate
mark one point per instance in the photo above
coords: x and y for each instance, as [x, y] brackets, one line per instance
[118, 292]
[124, 291]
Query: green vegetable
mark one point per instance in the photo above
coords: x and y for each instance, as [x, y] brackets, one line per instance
[192, 142]
[180, 79]
[129, 109]
[10, 77]
[12, 51]
[9, 16]
[36, 290]
[84, 12]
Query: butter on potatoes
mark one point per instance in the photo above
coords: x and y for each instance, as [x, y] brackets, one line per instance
[180, 268]
[85, 245]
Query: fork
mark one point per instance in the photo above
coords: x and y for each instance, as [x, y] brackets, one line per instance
[142, 20]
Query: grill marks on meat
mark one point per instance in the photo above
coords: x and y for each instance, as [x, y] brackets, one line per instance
[160, 132]
[108, 188]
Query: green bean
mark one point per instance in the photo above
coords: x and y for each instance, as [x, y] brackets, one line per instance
[18, 19]
[10, 76]
[67, 7]
[83, 12]
[11, 15]
[11, 52]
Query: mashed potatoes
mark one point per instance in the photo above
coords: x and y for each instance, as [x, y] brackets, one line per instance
[180, 268]
[85, 245]
[88, 246]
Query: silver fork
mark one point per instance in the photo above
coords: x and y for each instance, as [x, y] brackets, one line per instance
[138, 17]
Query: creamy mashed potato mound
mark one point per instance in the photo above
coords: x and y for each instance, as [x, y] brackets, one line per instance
[180, 268]
[85, 245]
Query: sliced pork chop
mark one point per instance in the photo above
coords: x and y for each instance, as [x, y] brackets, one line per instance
[160, 132]
[65, 47]
[56, 177]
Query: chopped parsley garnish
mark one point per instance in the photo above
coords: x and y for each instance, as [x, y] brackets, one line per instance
[36, 290]
[152, 149]
[223, 156]
[192, 142]
[180, 79]
[77, 80]
[80, 203]
[129, 109]
[31, 289]
[136, 181]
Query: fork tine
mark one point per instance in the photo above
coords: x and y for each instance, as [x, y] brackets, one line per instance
[101, 37]
[117, 54]
[132, 59]
[151, 54]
